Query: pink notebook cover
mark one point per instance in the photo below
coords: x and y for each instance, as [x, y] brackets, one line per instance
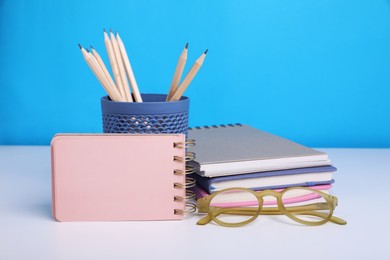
[113, 177]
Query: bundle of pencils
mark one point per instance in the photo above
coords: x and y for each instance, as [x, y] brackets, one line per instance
[121, 68]
[118, 89]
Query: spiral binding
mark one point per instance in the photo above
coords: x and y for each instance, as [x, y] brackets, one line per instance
[189, 183]
[189, 169]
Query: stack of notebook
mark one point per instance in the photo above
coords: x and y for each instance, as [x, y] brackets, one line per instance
[242, 156]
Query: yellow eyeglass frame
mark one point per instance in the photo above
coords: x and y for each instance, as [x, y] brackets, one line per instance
[203, 206]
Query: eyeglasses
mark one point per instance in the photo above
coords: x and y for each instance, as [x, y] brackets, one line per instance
[234, 207]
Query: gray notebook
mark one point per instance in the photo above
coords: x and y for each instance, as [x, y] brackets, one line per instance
[237, 149]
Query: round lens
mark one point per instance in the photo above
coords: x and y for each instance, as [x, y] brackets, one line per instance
[234, 206]
[307, 206]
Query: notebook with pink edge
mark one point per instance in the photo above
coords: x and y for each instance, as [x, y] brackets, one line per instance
[244, 199]
[117, 177]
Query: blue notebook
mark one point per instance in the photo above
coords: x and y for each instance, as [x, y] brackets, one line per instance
[310, 176]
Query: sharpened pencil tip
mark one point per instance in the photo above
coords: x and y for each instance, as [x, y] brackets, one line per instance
[104, 29]
[118, 37]
[87, 50]
[80, 46]
[91, 47]
[206, 51]
[187, 45]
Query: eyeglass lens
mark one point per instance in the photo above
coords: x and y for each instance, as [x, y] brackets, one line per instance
[237, 206]
[234, 206]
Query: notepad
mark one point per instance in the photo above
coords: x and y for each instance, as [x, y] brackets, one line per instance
[238, 149]
[279, 179]
[112, 177]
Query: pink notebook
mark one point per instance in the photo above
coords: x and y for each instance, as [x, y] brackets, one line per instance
[113, 177]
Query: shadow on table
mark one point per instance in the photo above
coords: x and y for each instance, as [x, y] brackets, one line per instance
[43, 209]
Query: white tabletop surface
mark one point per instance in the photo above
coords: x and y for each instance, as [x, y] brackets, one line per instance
[28, 231]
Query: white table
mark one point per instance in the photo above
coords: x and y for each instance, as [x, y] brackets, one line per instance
[28, 231]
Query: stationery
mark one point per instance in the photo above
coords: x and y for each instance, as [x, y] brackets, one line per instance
[129, 70]
[178, 72]
[112, 177]
[102, 66]
[189, 77]
[97, 70]
[123, 72]
[310, 176]
[114, 64]
[238, 149]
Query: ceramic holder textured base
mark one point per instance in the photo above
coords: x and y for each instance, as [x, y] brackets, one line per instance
[153, 115]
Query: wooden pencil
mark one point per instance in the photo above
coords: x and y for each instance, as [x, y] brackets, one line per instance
[110, 89]
[129, 70]
[189, 77]
[103, 66]
[114, 65]
[178, 72]
[121, 68]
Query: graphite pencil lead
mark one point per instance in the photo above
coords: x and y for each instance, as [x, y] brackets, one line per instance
[206, 51]
[80, 46]
[91, 47]
[187, 45]
[87, 50]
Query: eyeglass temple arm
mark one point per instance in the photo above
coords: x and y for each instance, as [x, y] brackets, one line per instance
[301, 210]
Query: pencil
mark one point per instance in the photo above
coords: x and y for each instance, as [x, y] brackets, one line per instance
[129, 70]
[178, 72]
[189, 77]
[121, 68]
[102, 66]
[114, 65]
[111, 90]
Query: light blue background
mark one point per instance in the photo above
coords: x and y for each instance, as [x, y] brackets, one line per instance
[316, 72]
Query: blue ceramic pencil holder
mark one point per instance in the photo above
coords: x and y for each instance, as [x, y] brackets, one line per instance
[152, 116]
